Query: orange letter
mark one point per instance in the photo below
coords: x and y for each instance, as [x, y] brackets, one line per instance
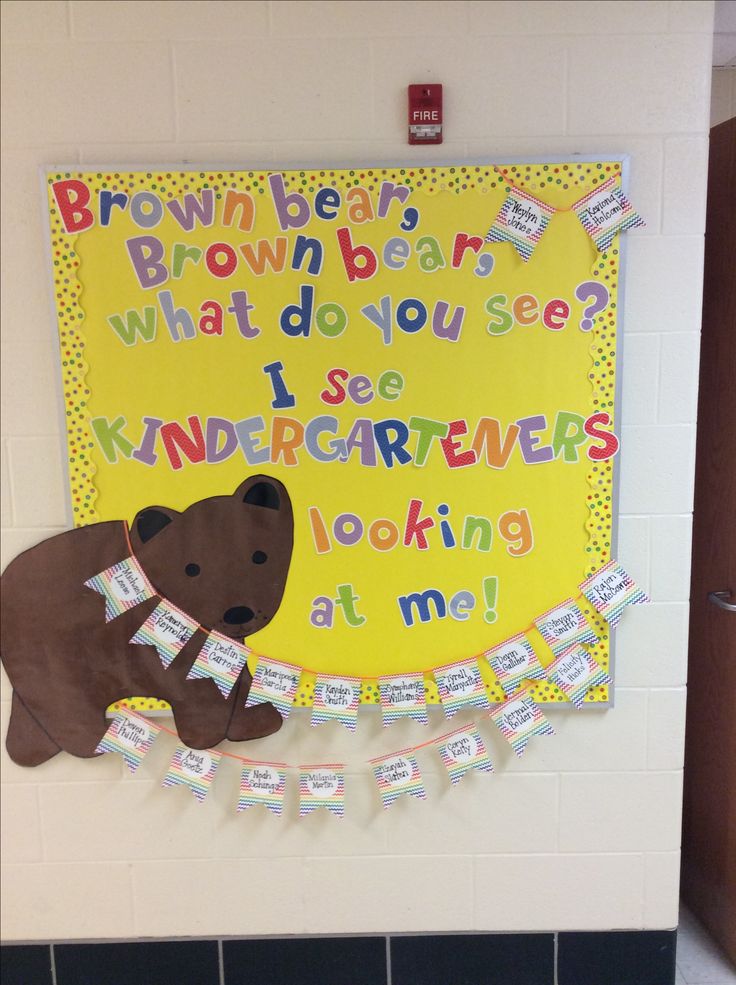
[283, 443]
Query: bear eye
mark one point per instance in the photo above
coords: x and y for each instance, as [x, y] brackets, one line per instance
[259, 557]
[192, 570]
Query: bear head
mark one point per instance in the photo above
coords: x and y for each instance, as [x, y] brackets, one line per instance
[223, 560]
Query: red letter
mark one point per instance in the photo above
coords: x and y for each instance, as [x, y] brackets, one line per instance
[333, 378]
[450, 446]
[349, 253]
[74, 213]
[217, 267]
[416, 527]
[462, 243]
[173, 434]
[609, 439]
[555, 315]
[211, 321]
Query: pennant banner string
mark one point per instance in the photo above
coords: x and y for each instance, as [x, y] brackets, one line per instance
[574, 670]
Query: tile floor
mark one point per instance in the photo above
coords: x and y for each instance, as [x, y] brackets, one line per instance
[699, 959]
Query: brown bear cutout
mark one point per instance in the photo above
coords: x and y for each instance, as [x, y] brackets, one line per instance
[224, 561]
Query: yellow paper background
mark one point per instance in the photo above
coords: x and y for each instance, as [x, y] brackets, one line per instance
[529, 370]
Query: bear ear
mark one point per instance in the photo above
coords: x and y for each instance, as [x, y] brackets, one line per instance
[260, 490]
[151, 521]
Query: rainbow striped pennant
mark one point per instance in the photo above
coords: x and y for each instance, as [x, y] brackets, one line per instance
[263, 783]
[575, 672]
[397, 774]
[521, 221]
[403, 696]
[123, 585]
[220, 659]
[610, 589]
[276, 682]
[518, 719]
[563, 625]
[336, 699]
[322, 786]
[605, 211]
[131, 735]
[514, 661]
[193, 768]
[464, 750]
[168, 629]
[461, 686]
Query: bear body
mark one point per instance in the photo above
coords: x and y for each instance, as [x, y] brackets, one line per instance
[223, 561]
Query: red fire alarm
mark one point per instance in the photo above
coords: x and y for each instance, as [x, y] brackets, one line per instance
[425, 113]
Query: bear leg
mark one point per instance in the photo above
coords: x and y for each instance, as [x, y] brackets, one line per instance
[198, 727]
[251, 723]
[27, 742]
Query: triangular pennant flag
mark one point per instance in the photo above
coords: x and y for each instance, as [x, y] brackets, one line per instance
[221, 659]
[403, 696]
[274, 682]
[168, 629]
[263, 783]
[336, 699]
[397, 774]
[464, 750]
[575, 672]
[610, 589]
[131, 735]
[606, 211]
[193, 768]
[515, 661]
[123, 585]
[518, 719]
[564, 625]
[461, 686]
[322, 786]
[521, 221]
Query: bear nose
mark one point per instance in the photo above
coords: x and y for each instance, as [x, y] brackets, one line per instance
[238, 614]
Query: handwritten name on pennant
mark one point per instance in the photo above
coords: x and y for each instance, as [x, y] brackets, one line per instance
[606, 211]
[192, 768]
[274, 682]
[464, 750]
[131, 735]
[610, 589]
[521, 221]
[564, 625]
[124, 585]
[263, 783]
[220, 659]
[518, 719]
[396, 775]
[575, 672]
[403, 696]
[515, 661]
[322, 786]
[336, 699]
[461, 686]
[168, 629]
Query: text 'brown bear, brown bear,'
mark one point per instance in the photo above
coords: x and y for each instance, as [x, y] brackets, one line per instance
[223, 561]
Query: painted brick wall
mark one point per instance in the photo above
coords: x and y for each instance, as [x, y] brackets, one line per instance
[584, 832]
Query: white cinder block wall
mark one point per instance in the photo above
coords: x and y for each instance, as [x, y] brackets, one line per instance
[584, 832]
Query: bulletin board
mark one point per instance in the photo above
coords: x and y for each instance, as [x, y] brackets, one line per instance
[439, 400]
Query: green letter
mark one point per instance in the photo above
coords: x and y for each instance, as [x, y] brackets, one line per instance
[110, 439]
[347, 600]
